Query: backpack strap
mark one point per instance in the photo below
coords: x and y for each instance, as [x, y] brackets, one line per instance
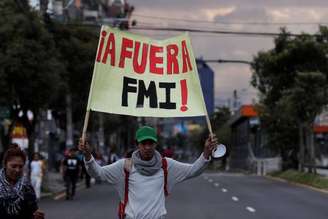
[128, 164]
[122, 205]
[127, 169]
[164, 167]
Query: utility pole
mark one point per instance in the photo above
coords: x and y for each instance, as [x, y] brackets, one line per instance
[69, 122]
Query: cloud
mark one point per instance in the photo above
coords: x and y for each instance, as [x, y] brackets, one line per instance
[211, 13]
[194, 5]
[213, 46]
[245, 14]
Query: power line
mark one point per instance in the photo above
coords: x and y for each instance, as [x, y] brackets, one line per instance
[232, 22]
[180, 29]
[175, 26]
[228, 61]
[242, 33]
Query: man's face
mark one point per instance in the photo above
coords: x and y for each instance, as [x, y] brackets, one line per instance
[147, 149]
[71, 153]
[14, 168]
[35, 157]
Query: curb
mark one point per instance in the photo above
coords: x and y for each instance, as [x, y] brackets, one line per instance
[62, 193]
[297, 184]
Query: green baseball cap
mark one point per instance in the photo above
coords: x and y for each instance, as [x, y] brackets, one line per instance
[146, 133]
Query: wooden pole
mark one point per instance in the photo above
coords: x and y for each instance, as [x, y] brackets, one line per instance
[87, 114]
[85, 126]
[209, 126]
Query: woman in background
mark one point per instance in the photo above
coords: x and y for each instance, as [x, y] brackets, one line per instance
[37, 170]
[17, 196]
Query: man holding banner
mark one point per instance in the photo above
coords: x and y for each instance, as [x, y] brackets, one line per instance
[139, 76]
[143, 181]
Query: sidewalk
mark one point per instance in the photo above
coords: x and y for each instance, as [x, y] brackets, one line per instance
[54, 185]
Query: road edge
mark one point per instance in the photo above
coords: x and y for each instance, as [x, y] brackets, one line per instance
[297, 184]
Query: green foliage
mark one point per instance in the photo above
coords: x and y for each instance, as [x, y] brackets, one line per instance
[307, 98]
[197, 138]
[310, 179]
[77, 48]
[28, 59]
[219, 120]
[292, 80]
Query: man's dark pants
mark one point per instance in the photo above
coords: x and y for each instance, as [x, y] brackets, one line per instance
[70, 183]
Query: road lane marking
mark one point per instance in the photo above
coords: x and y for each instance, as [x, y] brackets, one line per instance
[205, 177]
[224, 190]
[250, 209]
[235, 198]
[210, 180]
[216, 184]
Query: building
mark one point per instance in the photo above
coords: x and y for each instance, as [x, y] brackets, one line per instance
[115, 13]
[248, 140]
[206, 77]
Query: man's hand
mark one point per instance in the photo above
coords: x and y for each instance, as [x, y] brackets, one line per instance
[38, 214]
[210, 144]
[85, 148]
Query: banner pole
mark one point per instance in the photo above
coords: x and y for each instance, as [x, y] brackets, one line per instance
[85, 126]
[209, 126]
[87, 114]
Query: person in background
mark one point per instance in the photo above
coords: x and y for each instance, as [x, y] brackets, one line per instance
[100, 161]
[70, 170]
[99, 158]
[87, 177]
[36, 174]
[17, 196]
[113, 157]
[168, 152]
[26, 168]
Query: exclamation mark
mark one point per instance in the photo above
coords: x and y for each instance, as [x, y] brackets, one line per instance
[184, 95]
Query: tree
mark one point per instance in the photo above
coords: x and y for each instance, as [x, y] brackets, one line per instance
[292, 81]
[29, 68]
[220, 119]
[77, 46]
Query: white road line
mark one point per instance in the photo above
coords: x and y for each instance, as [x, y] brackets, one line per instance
[235, 198]
[210, 180]
[216, 184]
[250, 209]
[224, 190]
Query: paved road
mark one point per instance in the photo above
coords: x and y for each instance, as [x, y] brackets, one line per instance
[228, 196]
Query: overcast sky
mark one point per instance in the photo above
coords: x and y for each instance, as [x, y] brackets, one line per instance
[233, 14]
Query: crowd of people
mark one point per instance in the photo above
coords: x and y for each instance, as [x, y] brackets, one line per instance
[21, 178]
[18, 198]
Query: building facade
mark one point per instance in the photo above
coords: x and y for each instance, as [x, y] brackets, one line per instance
[248, 149]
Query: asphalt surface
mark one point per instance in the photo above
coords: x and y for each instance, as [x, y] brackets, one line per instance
[228, 196]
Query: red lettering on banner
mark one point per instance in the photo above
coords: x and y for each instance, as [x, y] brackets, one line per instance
[172, 53]
[126, 43]
[154, 60]
[185, 58]
[140, 68]
[142, 54]
[110, 49]
[101, 45]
